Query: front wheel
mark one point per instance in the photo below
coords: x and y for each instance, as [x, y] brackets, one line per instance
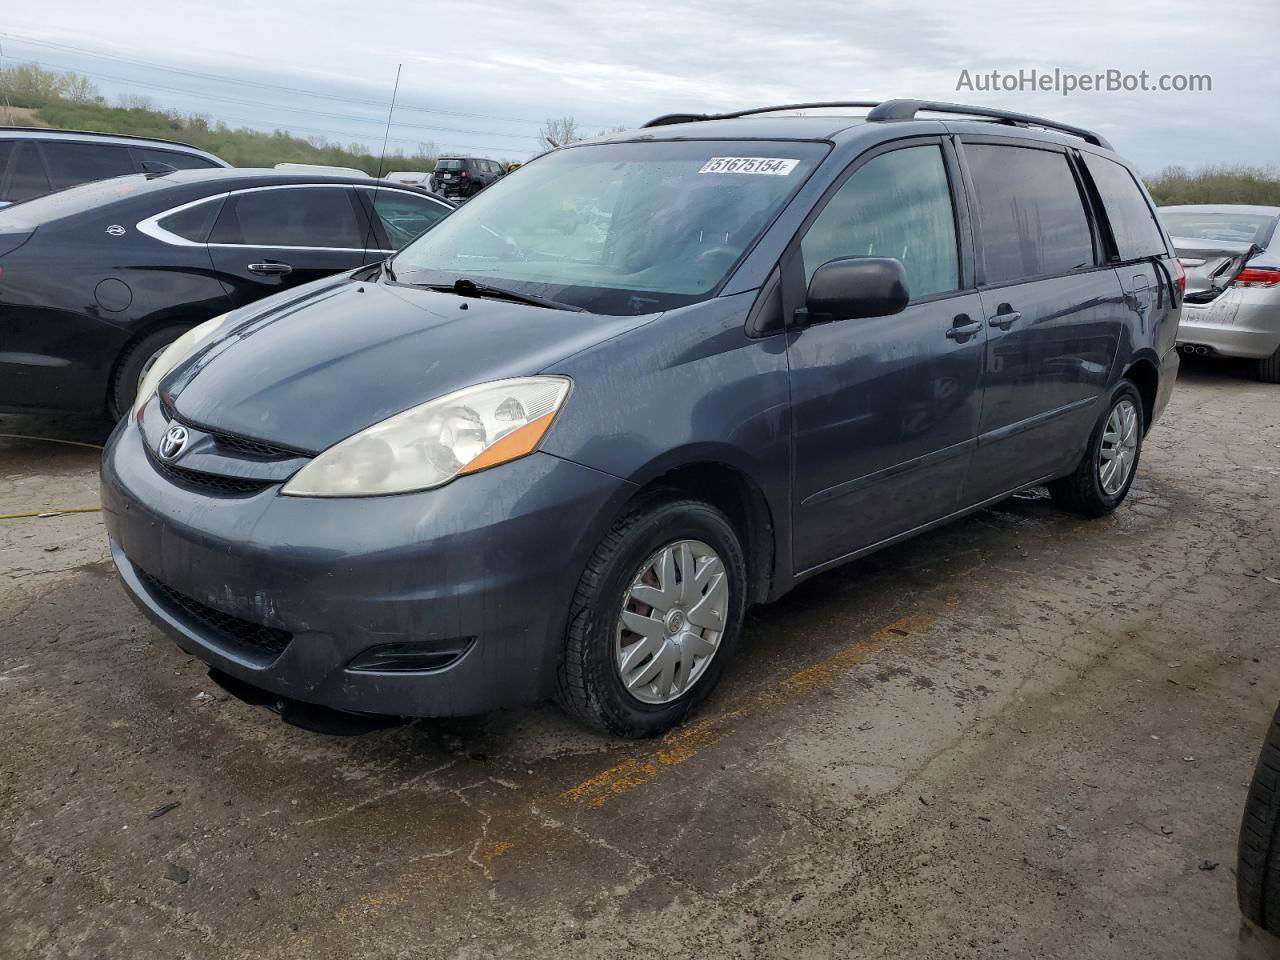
[1102, 479]
[136, 362]
[655, 617]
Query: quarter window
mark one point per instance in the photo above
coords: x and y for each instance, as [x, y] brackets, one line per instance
[193, 223]
[1132, 223]
[896, 205]
[289, 217]
[1033, 220]
[73, 163]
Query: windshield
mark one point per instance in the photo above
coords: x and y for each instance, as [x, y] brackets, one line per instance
[1211, 225]
[616, 228]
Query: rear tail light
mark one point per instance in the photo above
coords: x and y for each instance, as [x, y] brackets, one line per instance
[1180, 277]
[465, 174]
[1257, 277]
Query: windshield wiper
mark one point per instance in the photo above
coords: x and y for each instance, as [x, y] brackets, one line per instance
[464, 287]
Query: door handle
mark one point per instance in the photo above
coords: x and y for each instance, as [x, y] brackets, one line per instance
[270, 269]
[962, 328]
[1005, 317]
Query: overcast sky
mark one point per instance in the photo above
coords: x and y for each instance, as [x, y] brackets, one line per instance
[480, 75]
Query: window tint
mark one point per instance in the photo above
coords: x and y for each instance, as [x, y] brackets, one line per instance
[157, 160]
[6, 151]
[897, 205]
[289, 217]
[1033, 222]
[29, 179]
[404, 216]
[193, 223]
[72, 163]
[1132, 223]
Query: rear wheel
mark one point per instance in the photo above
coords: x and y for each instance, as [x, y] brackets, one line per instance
[655, 617]
[1102, 479]
[136, 361]
[1258, 856]
[1268, 369]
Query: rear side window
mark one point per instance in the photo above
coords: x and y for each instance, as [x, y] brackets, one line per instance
[29, 178]
[897, 205]
[193, 223]
[6, 151]
[405, 217]
[73, 163]
[1029, 206]
[155, 161]
[1132, 223]
[289, 217]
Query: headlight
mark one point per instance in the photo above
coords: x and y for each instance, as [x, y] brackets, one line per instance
[171, 356]
[429, 445]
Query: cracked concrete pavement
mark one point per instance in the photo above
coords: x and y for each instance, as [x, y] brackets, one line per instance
[1021, 735]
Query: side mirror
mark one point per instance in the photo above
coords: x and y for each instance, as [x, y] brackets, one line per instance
[850, 288]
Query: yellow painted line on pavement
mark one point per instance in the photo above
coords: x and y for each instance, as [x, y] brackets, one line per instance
[51, 512]
[685, 742]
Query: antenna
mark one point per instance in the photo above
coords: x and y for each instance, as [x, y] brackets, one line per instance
[373, 212]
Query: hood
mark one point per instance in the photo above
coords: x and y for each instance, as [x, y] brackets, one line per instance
[309, 371]
[1211, 265]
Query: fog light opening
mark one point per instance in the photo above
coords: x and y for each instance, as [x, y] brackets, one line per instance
[415, 657]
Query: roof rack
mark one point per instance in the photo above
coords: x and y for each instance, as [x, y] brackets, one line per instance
[16, 128]
[900, 110]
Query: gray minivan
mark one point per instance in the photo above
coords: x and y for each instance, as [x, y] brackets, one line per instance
[559, 444]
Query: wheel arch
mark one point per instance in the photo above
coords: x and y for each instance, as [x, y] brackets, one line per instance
[1144, 372]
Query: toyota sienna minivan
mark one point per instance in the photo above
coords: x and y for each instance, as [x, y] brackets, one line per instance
[559, 444]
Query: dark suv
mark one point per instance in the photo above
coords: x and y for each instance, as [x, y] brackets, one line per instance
[464, 176]
[518, 460]
[36, 161]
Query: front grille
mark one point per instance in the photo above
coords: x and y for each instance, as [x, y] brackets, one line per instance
[209, 482]
[254, 636]
[255, 448]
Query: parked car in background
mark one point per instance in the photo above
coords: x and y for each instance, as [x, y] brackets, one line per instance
[515, 461]
[464, 176]
[1231, 253]
[416, 178]
[35, 161]
[322, 168]
[98, 279]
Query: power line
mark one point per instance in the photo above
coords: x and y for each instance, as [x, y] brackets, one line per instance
[136, 61]
[259, 103]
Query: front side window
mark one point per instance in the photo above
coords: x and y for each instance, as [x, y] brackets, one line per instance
[1132, 223]
[405, 217]
[73, 163]
[620, 228]
[896, 205]
[1031, 214]
[289, 217]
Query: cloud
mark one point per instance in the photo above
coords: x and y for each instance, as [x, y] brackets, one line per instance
[511, 63]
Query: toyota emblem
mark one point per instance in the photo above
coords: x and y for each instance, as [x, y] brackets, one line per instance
[173, 442]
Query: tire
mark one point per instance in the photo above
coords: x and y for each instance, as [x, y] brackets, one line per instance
[1268, 370]
[590, 683]
[1258, 856]
[129, 369]
[1082, 491]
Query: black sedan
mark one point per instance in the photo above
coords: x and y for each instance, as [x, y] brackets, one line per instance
[98, 279]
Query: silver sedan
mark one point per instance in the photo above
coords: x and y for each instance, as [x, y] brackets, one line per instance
[1231, 253]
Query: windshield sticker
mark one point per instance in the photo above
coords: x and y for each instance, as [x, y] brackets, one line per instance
[772, 166]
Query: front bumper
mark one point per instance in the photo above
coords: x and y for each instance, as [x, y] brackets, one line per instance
[494, 556]
[1239, 323]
